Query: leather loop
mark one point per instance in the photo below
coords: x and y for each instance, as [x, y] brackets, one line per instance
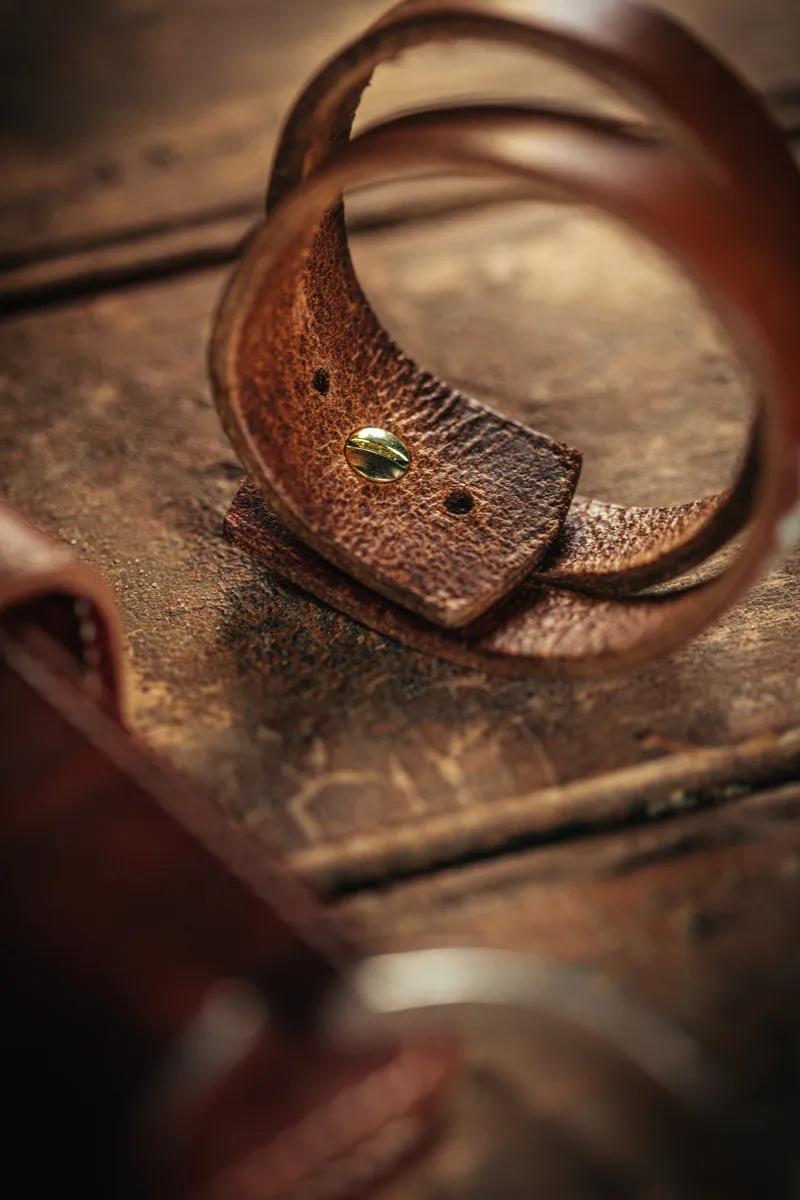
[720, 177]
[161, 971]
[72, 604]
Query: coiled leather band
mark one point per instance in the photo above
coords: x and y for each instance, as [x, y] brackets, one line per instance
[532, 579]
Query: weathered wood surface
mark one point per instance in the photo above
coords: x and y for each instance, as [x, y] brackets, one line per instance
[122, 121]
[311, 729]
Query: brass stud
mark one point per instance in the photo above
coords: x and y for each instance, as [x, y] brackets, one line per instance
[377, 455]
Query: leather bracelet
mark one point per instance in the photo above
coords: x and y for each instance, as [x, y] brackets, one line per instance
[529, 579]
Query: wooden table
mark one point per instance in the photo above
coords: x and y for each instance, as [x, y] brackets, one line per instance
[646, 826]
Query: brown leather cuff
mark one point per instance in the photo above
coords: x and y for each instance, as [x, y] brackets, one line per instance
[529, 579]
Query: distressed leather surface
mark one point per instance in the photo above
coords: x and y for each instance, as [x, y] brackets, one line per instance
[540, 629]
[522, 482]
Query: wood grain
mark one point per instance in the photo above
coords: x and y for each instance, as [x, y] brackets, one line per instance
[132, 115]
[307, 727]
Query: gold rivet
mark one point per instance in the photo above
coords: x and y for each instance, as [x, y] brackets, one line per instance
[377, 455]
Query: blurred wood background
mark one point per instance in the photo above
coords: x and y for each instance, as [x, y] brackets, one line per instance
[655, 817]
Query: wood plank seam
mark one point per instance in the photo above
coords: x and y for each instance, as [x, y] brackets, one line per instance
[59, 272]
[708, 777]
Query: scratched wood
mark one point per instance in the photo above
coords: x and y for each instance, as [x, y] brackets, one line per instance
[309, 728]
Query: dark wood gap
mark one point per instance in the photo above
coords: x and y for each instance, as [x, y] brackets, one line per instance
[62, 271]
[703, 801]
[757, 775]
[248, 209]
[94, 274]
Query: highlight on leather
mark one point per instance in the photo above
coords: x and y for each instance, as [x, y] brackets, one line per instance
[532, 579]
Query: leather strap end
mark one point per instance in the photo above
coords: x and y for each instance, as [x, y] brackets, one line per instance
[72, 605]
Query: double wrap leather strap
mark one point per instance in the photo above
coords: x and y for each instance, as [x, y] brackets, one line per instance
[532, 579]
[161, 972]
